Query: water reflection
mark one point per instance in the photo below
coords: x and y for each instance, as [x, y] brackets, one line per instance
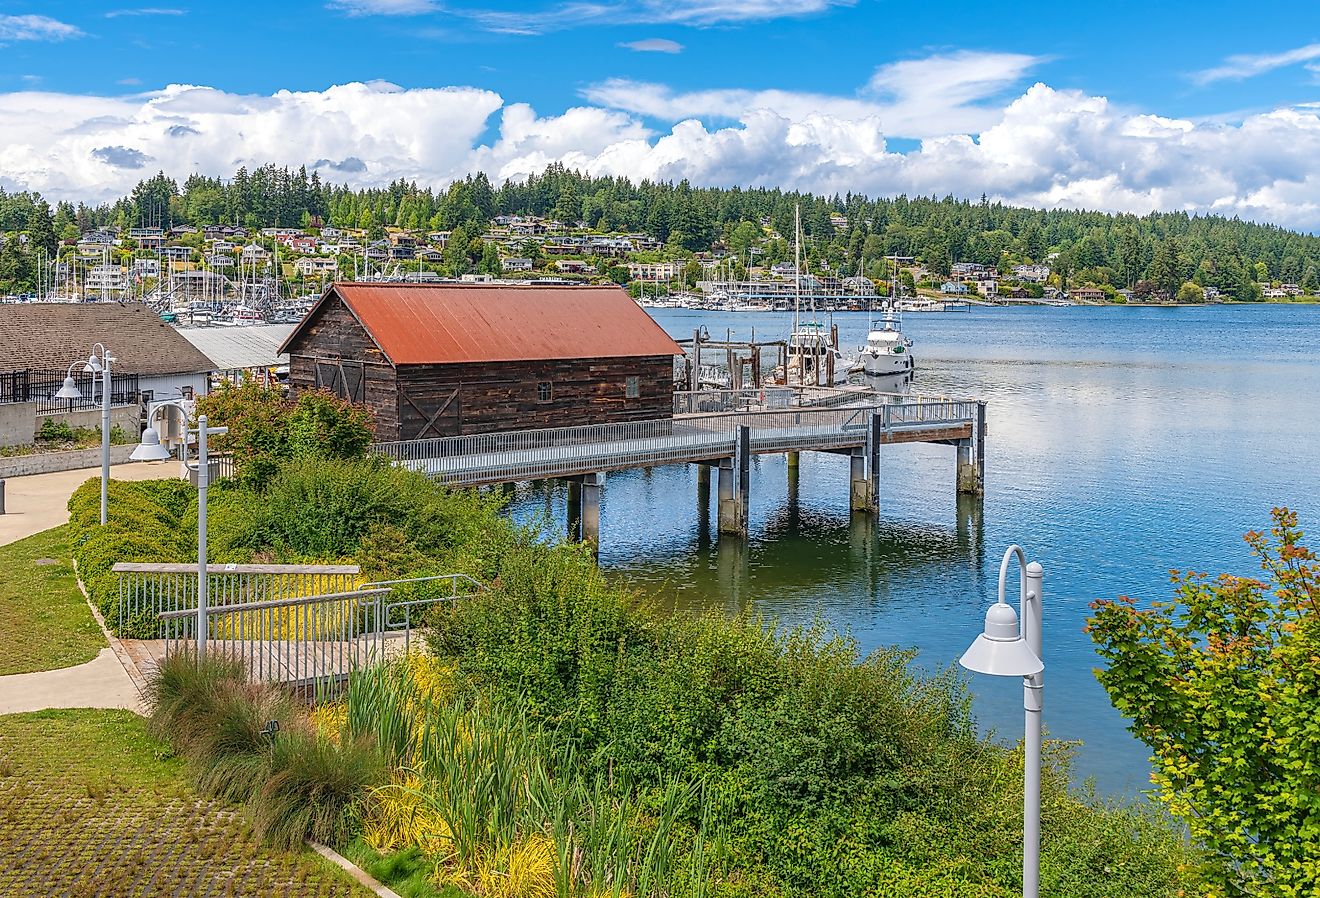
[1121, 443]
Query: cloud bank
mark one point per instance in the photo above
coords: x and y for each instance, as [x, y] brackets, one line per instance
[1044, 147]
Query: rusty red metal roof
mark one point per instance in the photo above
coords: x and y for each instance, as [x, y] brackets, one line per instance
[426, 324]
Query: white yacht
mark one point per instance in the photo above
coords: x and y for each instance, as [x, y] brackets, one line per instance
[887, 351]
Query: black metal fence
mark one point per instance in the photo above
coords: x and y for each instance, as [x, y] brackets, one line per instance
[40, 385]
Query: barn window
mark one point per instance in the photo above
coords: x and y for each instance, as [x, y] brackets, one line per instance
[633, 389]
[545, 391]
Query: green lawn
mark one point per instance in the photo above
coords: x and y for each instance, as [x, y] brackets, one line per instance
[91, 806]
[44, 621]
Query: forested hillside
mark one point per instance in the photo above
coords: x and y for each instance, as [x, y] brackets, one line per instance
[1092, 247]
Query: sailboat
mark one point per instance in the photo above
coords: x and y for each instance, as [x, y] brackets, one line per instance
[812, 356]
[887, 352]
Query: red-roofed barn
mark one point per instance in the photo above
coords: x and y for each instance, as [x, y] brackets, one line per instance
[443, 359]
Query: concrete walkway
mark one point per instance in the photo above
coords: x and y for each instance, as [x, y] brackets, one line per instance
[39, 502]
[100, 683]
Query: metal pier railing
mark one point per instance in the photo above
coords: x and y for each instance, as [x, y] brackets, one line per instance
[566, 451]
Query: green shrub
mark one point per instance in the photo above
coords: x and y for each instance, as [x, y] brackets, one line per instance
[266, 428]
[328, 507]
[835, 775]
[142, 526]
[52, 431]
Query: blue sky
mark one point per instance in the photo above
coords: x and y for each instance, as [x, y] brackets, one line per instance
[1207, 106]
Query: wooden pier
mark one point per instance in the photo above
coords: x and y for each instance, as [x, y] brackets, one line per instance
[852, 423]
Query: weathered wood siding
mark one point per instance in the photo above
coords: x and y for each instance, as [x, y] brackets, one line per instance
[443, 400]
[334, 351]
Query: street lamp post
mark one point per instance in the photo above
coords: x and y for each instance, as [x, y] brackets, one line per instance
[150, 449]
[1007, 650]
[96, 365]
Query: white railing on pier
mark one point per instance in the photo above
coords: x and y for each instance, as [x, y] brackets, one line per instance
[567, 451]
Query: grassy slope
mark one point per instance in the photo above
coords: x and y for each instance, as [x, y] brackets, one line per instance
[94, 807]
[44, 622]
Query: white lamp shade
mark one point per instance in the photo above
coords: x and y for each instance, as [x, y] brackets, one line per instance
[69, 390]
[1001, 651]
[93, 365]
[1001, 657]
[150, 448]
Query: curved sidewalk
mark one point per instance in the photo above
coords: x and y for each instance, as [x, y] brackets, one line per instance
[38, 502]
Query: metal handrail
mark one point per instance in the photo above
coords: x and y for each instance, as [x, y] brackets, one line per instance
[272, 603]
[564, 451]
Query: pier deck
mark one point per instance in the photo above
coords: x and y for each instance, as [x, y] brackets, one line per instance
[494, 458]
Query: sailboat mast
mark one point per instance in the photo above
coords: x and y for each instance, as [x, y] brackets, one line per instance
[797, 266]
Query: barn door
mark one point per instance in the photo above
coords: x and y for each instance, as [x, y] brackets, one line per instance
[346, 379]
[440, 416]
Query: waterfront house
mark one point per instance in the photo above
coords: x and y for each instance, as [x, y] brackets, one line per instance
[516, 264]
[50, 336]
[953, 287]
[434, 360]
[309, 265]
[1087, 294]
[654, 271]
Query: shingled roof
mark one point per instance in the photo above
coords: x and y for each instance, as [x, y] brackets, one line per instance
[435, 324]
[51, 335]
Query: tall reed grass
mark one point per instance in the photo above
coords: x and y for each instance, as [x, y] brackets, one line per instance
[502, 807]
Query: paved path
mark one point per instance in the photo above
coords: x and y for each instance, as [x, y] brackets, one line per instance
[100, 683]
[35, 503]
[39, 502]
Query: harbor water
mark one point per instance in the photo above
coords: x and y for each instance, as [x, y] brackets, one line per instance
[1122, 443]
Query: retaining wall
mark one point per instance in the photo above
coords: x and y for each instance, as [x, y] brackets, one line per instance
[50, 462]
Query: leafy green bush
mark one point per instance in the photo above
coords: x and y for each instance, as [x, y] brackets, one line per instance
[142, 525]
[52, 431]
[266, 428]
[1223, 686]
[835, 775]
[328, 507]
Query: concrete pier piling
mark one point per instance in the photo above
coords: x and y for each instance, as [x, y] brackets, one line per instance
[591, 490]
[735, 485]
[971, 469]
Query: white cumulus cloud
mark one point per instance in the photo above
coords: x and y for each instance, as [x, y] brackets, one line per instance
[911, 98]
[1044, 147]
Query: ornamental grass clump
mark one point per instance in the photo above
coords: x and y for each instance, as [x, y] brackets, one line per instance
[313, 789]
[296, 783]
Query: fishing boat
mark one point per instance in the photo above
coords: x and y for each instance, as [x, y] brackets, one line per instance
[812, 352]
